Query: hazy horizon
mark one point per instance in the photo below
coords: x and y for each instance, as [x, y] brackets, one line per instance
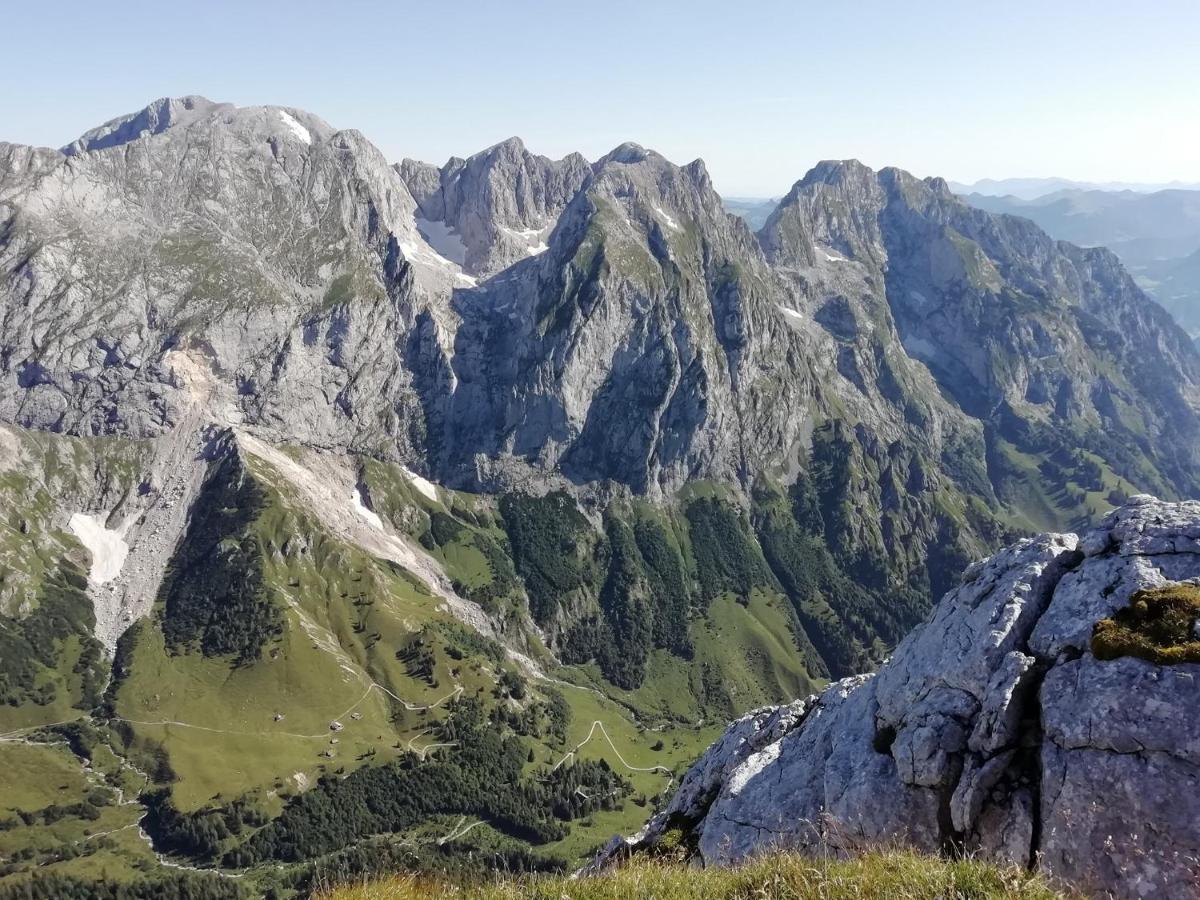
[760, 93]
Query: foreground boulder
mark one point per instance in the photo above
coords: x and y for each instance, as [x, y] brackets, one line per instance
[993, 730]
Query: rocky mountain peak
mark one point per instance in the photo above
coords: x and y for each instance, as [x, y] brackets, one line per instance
[643, 182]
[833, 205]
[494, 208]
[512, 148]
[278, 123]
[837, 172]
[531, 302]
[155, 118]
[626, 153]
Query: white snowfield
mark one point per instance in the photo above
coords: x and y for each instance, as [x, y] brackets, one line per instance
[443, 239]
[424, 485]
[671, 223]
[532, 237]
[367, 515]
[297, 129]
[439, 246]
[107, 546]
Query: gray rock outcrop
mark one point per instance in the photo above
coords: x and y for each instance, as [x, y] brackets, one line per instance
[498, 207]
[992, 730]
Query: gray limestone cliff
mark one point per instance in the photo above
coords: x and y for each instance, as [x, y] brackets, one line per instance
[937, 375]
[992, 730]
[491, 321]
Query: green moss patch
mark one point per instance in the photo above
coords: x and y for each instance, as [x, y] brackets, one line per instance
[1157, 625]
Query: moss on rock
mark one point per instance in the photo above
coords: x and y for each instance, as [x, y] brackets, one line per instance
[1158, 625]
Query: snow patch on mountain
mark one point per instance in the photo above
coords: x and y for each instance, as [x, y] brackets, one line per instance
[671, 223]
[107, 546]
[443, 239]
[296, 128]
[367, 515]
[425, 486]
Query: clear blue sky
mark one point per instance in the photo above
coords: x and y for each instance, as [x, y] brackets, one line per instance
[1094, 90]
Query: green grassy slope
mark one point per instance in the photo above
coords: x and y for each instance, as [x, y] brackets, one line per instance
[50, 667]
[271, 628]
[288, 669]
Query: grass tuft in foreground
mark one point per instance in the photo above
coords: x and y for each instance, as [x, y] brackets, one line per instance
[892, 875]
[1158, 625]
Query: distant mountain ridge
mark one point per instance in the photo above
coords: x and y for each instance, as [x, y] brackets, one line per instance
[754, 210]
[1032, 188]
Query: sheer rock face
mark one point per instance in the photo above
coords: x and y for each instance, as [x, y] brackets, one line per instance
[637, 342]
[1017, 328]
[508, 319]
[164, 113]
[211, 252]
[500, 204]
[992, 729]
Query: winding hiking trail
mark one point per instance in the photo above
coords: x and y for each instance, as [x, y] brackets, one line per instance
[458, 690]
[459, 831]
[597, 724]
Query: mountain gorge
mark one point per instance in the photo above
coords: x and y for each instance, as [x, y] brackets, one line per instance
[332, 487]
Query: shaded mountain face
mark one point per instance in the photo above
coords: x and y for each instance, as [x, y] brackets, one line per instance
[1022, 331]
[294, 423]
[1175, 284]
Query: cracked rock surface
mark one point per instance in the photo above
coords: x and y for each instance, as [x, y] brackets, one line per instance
[992, 730]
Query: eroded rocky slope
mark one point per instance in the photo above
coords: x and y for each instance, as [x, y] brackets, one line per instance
[992, 730]
[508, 318]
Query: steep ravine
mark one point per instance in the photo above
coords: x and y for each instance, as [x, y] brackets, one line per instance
[993, 730]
